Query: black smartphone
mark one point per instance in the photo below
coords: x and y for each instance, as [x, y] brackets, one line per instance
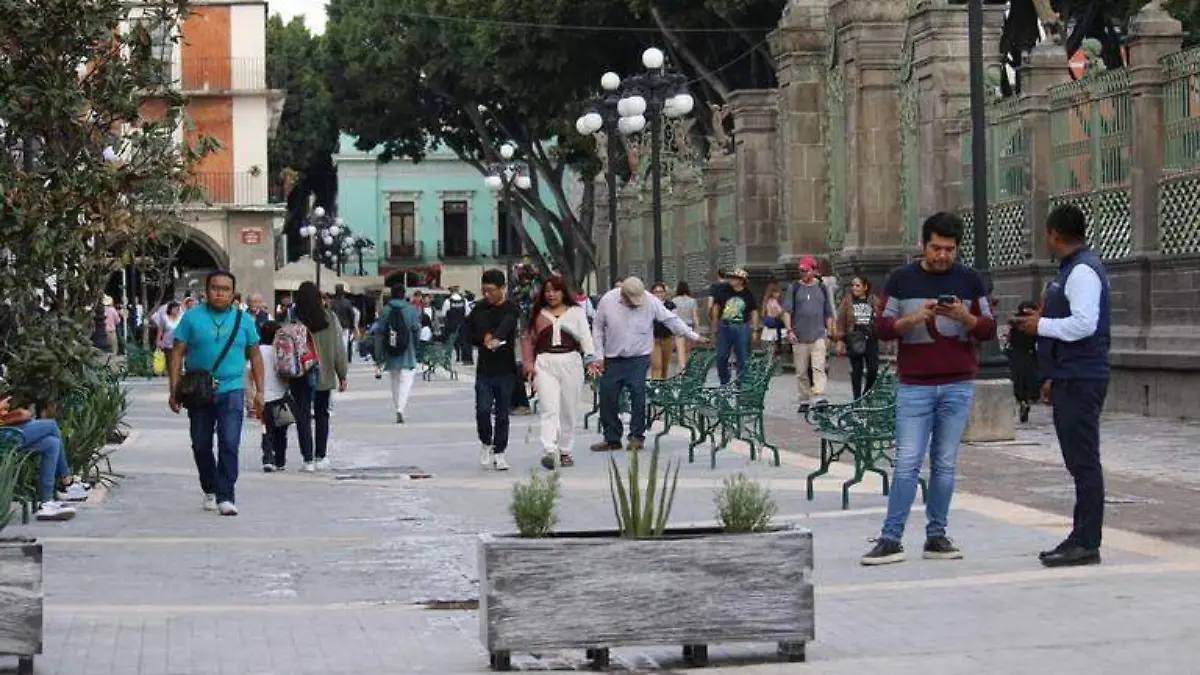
[947, 299]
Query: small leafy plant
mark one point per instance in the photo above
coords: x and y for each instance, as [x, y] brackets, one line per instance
[533, 505]
[11, 461]
[91, 416]
[637, 515]
[743, 505]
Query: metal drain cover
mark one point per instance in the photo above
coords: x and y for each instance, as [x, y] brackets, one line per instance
[383, 473]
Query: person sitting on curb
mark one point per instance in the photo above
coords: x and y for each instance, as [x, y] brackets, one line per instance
[45, 438]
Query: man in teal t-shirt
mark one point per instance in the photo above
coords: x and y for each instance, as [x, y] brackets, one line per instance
[200, 338]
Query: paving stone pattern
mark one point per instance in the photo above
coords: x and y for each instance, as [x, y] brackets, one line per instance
[331, 573]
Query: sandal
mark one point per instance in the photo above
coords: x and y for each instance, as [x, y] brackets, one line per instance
[565, 459]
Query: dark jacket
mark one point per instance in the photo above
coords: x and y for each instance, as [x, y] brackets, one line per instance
[499, 321]
[1085, 359]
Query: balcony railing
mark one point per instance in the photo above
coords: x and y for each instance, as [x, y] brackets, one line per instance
[501, 249]
[457, 249]
[233, 188]
[219, 74]
[406, 251]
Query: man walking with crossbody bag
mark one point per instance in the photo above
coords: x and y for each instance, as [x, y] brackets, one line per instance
[215, 341]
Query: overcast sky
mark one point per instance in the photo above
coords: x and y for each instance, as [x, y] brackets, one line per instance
[313, 11]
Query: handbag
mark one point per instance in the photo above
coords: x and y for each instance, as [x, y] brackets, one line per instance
[280, 412]
[856, 343]
[198, 388]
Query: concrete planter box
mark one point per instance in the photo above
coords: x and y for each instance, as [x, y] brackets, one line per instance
[692, 587]
[21, 601]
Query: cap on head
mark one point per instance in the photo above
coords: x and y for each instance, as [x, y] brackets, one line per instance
[809, 264]
[634, 290]
[740, 274]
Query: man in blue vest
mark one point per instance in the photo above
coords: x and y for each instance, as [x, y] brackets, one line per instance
[1073, 342]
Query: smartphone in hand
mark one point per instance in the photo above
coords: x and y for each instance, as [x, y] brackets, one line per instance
[946, 300]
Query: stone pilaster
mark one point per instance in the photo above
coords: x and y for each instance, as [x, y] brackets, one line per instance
[1041, 72]
[799, 49]
[870, 40]
[755, 140]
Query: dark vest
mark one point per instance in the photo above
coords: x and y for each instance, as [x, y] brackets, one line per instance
[1086, 359]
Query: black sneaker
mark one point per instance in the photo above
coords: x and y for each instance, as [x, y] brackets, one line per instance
[399, 418]
[941, 548]
[886, 551]
[802, 409]
[1024, 412]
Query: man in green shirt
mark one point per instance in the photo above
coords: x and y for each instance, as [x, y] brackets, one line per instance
[200, 338]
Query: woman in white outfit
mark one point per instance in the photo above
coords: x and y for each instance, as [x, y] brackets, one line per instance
[554, 351]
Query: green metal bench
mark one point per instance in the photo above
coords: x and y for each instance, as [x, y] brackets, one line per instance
[668, 398]
[735, 411]
[866, 428]
[438, 355]
[27, 492]
[623, 404]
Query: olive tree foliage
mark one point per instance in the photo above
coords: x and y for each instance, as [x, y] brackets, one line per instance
[407, 83]
[91, 173]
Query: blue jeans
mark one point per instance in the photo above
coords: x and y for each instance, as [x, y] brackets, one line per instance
[618, 374]
[933, 418]
[43, 437]
[733, 337]
[493, 398]
[224, 418]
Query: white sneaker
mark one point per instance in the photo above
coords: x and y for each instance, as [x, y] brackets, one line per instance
[485, 456]
[54, 511]
[323, 464]
[500, 463]
[227, 509]
[210, 502]
[309, 467]
[75, 492]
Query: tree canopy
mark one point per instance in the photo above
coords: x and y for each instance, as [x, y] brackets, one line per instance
[410, 74]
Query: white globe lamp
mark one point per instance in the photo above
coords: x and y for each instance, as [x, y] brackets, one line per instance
[335, 231]
[684, 103]
[610, 81]
[594, 122]
[328, 240]
[319, 212]
[507, 151]
[653, 58]
[523, 182]
[494, 182]
[581, 125]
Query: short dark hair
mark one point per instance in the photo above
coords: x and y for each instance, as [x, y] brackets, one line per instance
[216, 275]
[1069, 222]
[943, 225]
[397, 292]
[266, 332]
[492, 278]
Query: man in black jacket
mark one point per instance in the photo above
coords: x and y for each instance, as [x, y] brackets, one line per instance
[492, 326]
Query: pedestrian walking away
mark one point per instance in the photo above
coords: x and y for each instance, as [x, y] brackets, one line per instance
[347, 316]
[492, 327]
[938, 309]
[808, 319]
[1073, 331]
[1023, 364]
[557, 337]
[688, 310]
[454, 311]
[856, 335]
[735, 314]
[624, 337]
[328, 343]
[215, 340]
[395, 335]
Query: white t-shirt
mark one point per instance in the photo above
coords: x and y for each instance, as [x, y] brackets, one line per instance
[274, 387]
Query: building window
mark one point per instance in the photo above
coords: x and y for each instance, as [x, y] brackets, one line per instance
[162, 47]
[508, 239]
[455, 230]
[403, 225]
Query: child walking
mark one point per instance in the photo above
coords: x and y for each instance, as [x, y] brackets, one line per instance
[1023, 361]
[276, 404]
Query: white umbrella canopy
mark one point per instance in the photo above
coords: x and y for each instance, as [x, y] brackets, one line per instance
[290, 276]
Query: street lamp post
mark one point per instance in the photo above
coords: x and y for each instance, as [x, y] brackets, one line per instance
[506, 175]
[605, 116]
[648, 99]
[329, 240]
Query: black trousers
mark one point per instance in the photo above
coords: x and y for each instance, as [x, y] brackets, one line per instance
[493, 398]
[868, 362]
[1077, 406]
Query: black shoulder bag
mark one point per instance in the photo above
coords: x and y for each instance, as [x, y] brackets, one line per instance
[198, 388]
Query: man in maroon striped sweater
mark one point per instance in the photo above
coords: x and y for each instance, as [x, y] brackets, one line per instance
[938, 309]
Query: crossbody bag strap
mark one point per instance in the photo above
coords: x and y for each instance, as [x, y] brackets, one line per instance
[237, 324]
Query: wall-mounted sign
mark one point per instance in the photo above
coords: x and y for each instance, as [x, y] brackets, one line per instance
[252, 236]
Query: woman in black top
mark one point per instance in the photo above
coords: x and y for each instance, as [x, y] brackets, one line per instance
[664, 339]
[856, 335]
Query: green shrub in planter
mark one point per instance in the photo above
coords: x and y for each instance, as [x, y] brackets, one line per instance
[139, 361]
[92, 414]
[743, 505]
[533, 504]
[12, 459]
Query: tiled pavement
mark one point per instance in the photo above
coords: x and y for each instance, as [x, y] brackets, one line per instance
[329, 573]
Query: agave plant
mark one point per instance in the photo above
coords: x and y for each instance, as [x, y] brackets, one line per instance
[11, 461]
[636, 512]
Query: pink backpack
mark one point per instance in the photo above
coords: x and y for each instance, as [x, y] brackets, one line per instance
[295, 353]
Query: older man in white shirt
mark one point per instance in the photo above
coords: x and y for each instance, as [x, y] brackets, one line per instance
[624, 335]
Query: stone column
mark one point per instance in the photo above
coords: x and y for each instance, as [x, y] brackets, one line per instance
[755, 141]
[1041, 72]
[1153, 34]
[799, 49]
[870, 40]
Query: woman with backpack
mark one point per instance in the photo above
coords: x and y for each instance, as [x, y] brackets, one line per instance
[312, 391]
[856, 334]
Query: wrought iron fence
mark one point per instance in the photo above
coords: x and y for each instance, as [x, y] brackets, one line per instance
[222, 74]
[406, 251]
[1179, 192]
[234, 188]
